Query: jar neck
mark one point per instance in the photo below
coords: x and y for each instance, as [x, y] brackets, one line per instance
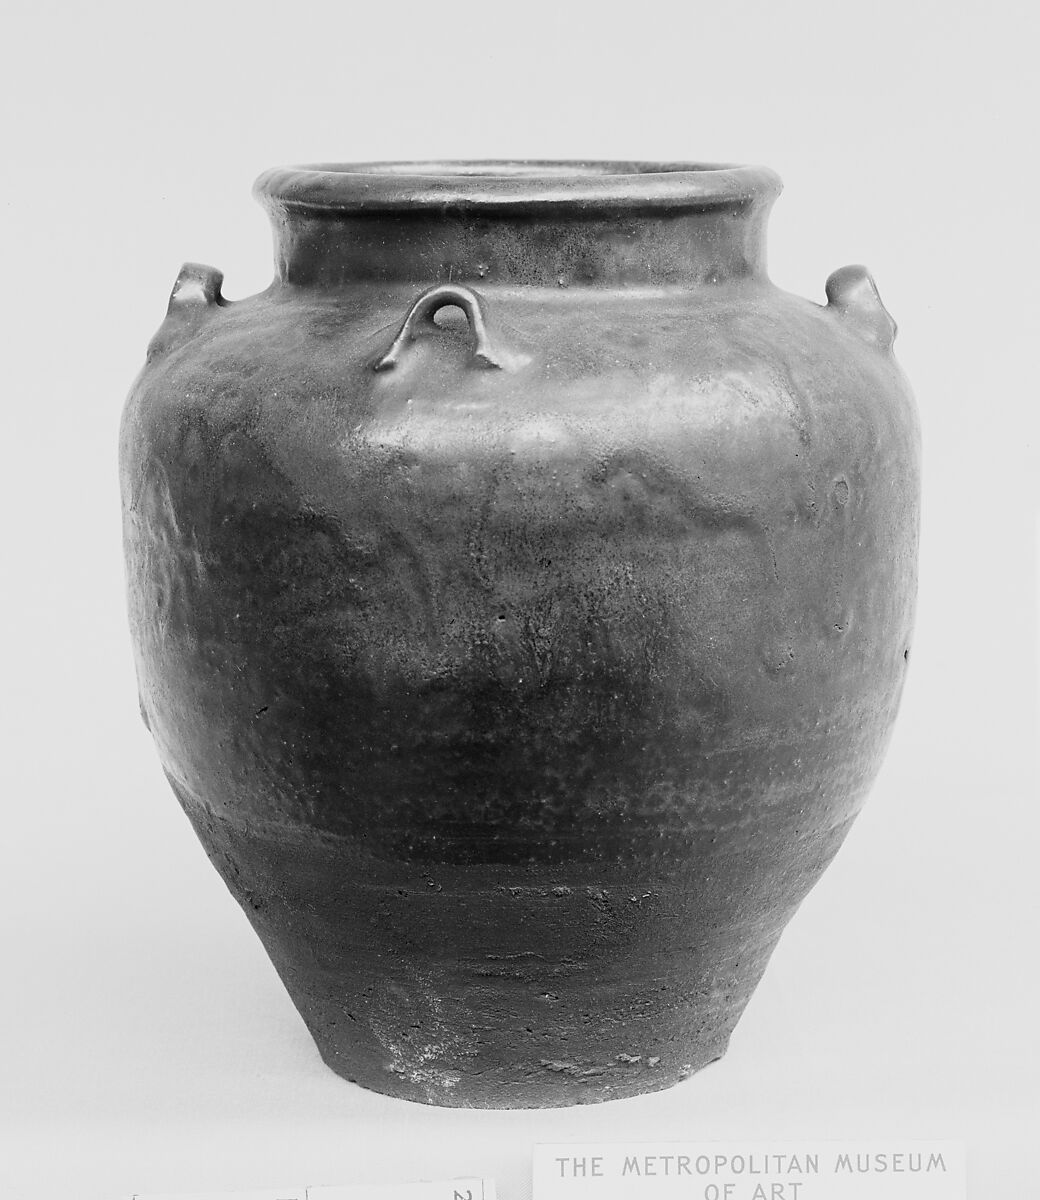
[539, 246]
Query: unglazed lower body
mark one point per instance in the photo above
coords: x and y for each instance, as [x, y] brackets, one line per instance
[516, 986]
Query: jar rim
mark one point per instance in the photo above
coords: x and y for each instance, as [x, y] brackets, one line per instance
[514, 183]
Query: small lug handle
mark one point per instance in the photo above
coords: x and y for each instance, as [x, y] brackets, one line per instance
[852, 294]
[420, 319]
[197, 286]
[195, 296]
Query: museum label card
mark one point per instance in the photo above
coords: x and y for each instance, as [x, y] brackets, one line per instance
[897, 1170]
[448, 1189]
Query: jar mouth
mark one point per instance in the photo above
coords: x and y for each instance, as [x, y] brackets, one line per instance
[514, 183]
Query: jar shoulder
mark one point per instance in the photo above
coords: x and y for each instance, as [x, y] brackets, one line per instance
[666, 364]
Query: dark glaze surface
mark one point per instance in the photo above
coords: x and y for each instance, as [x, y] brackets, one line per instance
[519, 708]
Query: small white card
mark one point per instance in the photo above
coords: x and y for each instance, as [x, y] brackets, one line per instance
[447, 1189]
[896, 1170]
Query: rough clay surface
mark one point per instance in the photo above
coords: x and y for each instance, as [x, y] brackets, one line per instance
[520, 708]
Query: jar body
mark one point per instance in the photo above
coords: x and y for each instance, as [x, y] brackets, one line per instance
[519, 703]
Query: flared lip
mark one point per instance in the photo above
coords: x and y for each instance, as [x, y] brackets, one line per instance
[514, 183]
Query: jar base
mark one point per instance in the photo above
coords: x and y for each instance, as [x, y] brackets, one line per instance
[547, 1083]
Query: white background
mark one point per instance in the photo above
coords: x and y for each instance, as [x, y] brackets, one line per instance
[145, 1042]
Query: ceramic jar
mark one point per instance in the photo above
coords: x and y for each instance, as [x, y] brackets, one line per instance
[521, 590]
